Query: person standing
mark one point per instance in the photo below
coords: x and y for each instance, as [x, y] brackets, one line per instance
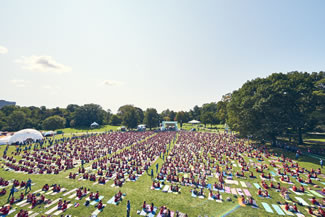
[128, 209]
[321, 162]
[12, 192]
[28, 185]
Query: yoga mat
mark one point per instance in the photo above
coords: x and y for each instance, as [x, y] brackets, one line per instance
[320, 192]
[51, 210]
[50, 192]
[111, 201]
[247, 192]
[240, 192]
[278, 209]
[302, 201]
[227, 189]
[96, 201]
[248, 184]
[69, 192]
[21, 202]
[233, 191]
[34, 215]
[256, 185]
[297, 193]
[166, 188]
[60, 211]
[316, 193]
[287, 212]
[153, 213]
[267, 207]
[39, 190]
[243, 184]
[53, 202]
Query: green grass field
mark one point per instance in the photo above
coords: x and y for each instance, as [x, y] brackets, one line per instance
[140, 190]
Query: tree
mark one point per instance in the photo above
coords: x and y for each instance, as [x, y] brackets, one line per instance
[182, 117]
[151, 118]
[129, 115]
[87, 114]
[195, 113]
[53, 123]
[207, 118]
[115, 120]
[16, 120]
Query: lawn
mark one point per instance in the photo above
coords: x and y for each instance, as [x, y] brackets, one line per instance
[140, 190]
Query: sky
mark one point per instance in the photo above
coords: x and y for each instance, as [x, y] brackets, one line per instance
[163, 54]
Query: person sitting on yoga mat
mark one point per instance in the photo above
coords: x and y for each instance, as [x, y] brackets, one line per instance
[60, 204]
[100, 205]
[314, 201]
[97, 195]
[259, 192]
[65, 205]
[3, 192]
[45, 187]
[302, 189]
[5, 210]
[144, 206]
[21, 196]
[22, 213]
[12, 200]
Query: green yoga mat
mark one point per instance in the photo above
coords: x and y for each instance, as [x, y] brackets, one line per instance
[316, 193]
[256, 185]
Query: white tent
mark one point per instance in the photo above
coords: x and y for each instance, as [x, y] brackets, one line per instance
[4, 140]
[49, 133]
[194, 122]
[23, 135]
[94, 125]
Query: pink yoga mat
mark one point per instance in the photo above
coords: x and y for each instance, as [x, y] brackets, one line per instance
[227, 189]
[246, 191]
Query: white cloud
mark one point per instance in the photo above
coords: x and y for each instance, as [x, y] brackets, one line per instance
[19, 83]
[3, 50]
[42, 64]
[112, 83]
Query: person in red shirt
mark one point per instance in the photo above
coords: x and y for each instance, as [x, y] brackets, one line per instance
[313, 201]
[259, 192]
[100, 205]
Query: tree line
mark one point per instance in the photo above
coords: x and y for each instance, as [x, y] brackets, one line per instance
[282, 104]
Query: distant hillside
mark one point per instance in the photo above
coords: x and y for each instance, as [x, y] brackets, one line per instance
[4, 103]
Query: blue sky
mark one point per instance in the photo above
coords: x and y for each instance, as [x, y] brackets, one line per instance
[161, 54]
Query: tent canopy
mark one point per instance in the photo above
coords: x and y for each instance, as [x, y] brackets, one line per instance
[23, 135]
[49, 133]
[194, 122]
[94, 124]
[4, 140]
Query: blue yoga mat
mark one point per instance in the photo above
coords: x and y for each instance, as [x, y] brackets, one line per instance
[278, 209]
[267, 207]
[96, 201]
